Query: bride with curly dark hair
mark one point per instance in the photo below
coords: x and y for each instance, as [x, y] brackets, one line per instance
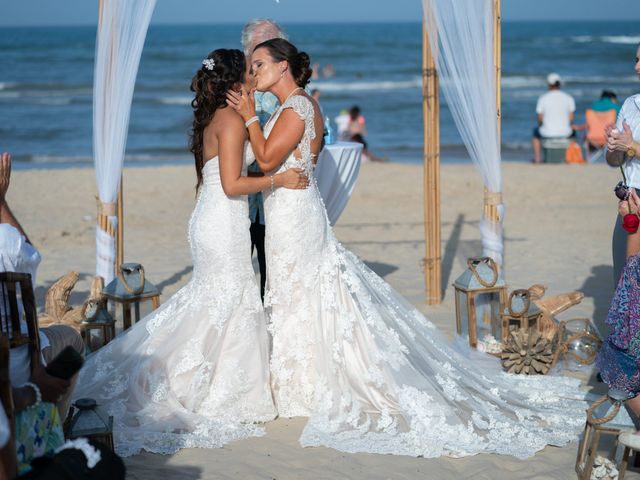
[195, 372]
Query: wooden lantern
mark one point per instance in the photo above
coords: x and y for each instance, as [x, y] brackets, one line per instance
[605, 421]
[479, 284]
[519, 313]
[130, 289]
[91, 422]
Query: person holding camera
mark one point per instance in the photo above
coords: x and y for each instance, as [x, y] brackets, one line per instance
[623, 150]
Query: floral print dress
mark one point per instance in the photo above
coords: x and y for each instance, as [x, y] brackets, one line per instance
[619, 359]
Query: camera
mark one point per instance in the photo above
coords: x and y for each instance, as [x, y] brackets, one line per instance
[621, 191]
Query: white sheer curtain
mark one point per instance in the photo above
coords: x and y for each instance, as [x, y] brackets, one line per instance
[465, 64]
[122, 28]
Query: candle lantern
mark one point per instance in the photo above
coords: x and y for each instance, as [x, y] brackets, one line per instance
[480, 285]
[98, 326]
[91, 422]
[606, 419]
[519, 313]
[130, 288]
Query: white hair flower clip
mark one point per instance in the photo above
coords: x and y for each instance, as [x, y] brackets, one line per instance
[208, 63]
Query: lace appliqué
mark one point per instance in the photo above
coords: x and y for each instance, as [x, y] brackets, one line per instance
[193, 373]
[371, 372]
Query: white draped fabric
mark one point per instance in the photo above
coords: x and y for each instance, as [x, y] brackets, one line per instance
[462, 30]
[122, 28]
[336, 174]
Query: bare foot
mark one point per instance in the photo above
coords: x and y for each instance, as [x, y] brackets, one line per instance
[5, 173]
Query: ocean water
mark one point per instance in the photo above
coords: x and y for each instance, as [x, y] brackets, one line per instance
[47, 75]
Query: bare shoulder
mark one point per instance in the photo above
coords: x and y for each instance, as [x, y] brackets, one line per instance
[228, 122]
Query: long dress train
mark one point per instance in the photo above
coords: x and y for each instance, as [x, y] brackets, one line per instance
[367, 368]
[195, 372]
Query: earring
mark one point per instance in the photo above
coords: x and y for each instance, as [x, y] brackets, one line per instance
[282, 73]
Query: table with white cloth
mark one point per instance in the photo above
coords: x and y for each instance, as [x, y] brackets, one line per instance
[336, 173]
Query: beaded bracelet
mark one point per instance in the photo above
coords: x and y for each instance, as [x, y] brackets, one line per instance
[36, 390]
[272, 180]
[251, 120]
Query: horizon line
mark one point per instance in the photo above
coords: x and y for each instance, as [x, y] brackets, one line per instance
[321, 22]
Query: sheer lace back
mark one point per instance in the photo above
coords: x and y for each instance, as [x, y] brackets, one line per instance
[304, 108]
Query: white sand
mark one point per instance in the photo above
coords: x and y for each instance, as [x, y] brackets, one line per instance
[558, 233]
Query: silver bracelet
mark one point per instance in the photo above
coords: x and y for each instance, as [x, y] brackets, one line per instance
[36, 390]
[272, 180]
[251, 120]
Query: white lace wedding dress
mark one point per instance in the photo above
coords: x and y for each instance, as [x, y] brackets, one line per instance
[195, 372]
[371, 372]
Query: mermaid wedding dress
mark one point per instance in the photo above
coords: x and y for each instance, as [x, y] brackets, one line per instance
[371, 372]
[195, 372]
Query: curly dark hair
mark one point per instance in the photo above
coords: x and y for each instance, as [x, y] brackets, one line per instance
[224, 70]
[280, 50]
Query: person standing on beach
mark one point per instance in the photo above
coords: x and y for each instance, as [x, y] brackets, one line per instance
[349, 352]
[255, 32]
[556, 110]
[623, 149]
[195, 372]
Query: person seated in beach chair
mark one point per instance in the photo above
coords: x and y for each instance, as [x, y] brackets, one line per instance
[603, 112]
[556, 110]
[17, 254]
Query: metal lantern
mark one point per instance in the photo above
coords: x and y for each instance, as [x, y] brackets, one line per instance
[130, 288]
[519, 313]
[480, 284]
[98, 326]
[91, 422]
[605, 421]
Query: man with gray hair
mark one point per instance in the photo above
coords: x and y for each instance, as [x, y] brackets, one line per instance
[254, 33]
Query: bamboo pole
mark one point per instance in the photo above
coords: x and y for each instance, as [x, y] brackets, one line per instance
[497, 62]
[120, 231]
[493, 199]
[431, 116]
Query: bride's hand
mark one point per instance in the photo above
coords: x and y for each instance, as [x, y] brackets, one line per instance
[242, 102]
[294, 178]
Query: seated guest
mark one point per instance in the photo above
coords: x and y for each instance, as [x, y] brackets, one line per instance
[602, 113]
[32, 385]
[555, 111]
[608, 101]
[357, 131]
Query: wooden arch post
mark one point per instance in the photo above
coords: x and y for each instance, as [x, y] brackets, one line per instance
[431, 114]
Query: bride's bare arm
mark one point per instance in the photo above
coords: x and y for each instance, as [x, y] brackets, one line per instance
[231, 156]
[284, 138]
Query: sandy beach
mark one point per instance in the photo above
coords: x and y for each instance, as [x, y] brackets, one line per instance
[557, 232]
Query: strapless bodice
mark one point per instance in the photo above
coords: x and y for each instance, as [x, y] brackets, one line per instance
[211, 169]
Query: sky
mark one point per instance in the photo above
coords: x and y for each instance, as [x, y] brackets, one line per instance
[84, 12]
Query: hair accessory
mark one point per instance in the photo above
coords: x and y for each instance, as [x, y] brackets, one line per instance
[251, 120]
[208, 63]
